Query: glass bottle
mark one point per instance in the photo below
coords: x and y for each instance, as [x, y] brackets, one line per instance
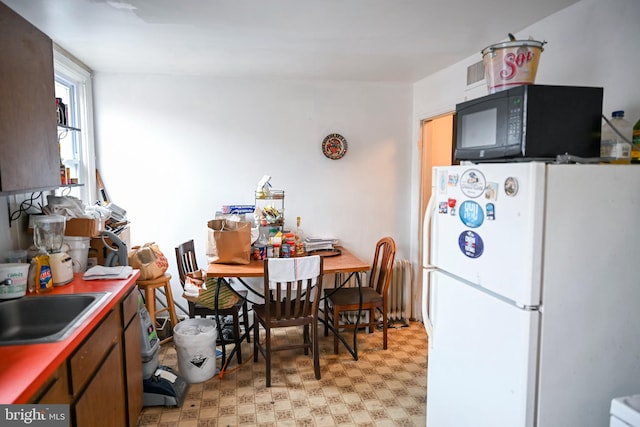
[299, 238]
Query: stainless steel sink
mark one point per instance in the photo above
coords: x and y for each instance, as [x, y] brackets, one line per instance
[45, 318]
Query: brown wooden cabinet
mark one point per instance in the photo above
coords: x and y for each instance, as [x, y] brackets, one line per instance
[55, 389]
[132, 353]
[102, 379]
[28, 140]
[102, 402]
[96, 376]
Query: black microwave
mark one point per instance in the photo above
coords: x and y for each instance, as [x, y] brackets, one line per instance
[530, 122]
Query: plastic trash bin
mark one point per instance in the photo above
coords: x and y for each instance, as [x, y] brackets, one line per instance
[195, 341]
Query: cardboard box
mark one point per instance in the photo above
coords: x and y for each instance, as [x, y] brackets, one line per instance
[86, 227]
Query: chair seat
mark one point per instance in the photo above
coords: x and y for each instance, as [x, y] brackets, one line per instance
[347, 296]
[373, 296]
[260, 311]
[238, 304]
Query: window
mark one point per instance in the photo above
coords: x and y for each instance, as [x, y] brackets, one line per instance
[77, 153]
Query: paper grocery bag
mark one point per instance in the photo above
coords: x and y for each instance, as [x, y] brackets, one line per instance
[228, 242]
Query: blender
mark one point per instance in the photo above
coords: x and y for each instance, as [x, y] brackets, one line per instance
[48, 236]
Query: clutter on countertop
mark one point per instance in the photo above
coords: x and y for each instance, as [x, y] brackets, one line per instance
[72, 207]
[117, 219]
[98, 272]
[81, 219]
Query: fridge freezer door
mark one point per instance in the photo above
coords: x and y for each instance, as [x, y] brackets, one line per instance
[484, 232]
[481, 365]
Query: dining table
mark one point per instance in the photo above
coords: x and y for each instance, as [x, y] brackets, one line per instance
[342, 263]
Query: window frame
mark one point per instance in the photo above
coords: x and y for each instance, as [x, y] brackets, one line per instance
[68, 68]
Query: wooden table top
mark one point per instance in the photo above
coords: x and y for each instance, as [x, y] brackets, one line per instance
[346, 262]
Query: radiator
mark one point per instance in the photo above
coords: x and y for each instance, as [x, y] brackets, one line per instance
[399, 294]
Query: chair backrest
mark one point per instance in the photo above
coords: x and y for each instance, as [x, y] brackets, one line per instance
[186, 258]
[292, 288]
[382, 267]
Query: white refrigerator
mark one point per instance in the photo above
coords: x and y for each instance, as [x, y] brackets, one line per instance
[531, 294]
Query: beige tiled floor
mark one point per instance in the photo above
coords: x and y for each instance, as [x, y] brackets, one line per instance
[382, 388]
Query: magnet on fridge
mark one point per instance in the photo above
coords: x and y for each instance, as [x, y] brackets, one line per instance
[471, 244]
[491, 191]
[442, 182]
[491, 211]
[511, 186]
[452, 211]
[443, 207]
[472, 183]
[471, 214]
[453, 180]
[451, 202]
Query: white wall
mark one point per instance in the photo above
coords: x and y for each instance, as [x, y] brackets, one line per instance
[592, 43]
[172, 150]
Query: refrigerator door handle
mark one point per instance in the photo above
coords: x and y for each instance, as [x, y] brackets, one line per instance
[428, 268]
[426, 298]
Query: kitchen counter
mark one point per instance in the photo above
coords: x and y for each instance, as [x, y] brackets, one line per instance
[25, 368]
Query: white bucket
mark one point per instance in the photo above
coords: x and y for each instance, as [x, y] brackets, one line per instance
[195, 341]
[78, 251]
[511, 64]
[13, 280]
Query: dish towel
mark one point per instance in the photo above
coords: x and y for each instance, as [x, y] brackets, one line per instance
[293, 269]
[98, 272]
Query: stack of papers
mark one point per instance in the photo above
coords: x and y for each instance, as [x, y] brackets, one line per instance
[318, 243]
[98, 272]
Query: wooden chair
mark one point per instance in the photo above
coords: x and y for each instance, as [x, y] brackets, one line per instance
[290, 300]
[374, 296]
[186, 258]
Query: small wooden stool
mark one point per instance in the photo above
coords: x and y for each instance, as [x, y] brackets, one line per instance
[149, 287]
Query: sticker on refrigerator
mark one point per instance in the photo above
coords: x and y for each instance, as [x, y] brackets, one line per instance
[472, 183]
[443, 207]
[452, 204]
[442, 182]
[471, 214]
[453, 180]
[471, 244]
[491, 191]
[491, 211]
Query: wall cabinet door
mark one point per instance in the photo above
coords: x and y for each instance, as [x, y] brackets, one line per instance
[28, 122]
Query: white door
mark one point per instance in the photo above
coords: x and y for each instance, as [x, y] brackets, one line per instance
[487, 227]
[482, 356]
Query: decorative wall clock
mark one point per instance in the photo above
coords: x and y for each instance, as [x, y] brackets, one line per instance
[334, 146]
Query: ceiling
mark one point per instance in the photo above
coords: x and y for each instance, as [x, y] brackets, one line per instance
[362, 40]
